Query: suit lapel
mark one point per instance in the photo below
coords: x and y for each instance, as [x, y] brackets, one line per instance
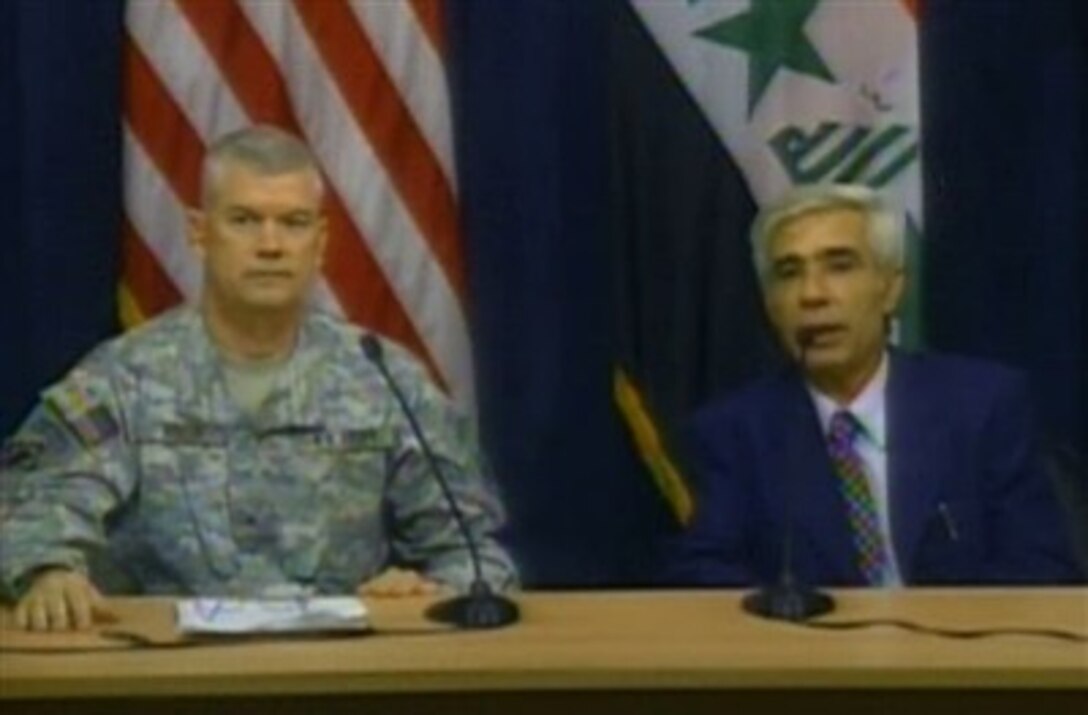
[913, 457]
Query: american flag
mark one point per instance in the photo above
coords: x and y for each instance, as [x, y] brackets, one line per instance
[364, 83]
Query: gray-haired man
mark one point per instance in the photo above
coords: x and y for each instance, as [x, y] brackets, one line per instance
[888, 468]
[243, 444]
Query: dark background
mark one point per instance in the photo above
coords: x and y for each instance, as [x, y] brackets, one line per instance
[1004, 151]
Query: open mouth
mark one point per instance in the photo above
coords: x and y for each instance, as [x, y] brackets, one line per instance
[820, 334]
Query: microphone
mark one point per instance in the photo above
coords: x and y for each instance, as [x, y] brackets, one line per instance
[480, 607]
[789, 600]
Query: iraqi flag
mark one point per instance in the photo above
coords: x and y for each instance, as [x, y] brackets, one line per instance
[718, 106]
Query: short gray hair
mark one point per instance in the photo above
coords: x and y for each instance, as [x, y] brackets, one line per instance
[265, 149]
[885, 232]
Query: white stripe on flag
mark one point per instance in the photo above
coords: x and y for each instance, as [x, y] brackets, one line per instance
[416, 69]
[192, 77]
[375, 207]
[157, 215]
[870, 48]
[186, 69]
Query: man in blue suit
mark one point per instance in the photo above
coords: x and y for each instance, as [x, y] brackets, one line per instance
[895, 469]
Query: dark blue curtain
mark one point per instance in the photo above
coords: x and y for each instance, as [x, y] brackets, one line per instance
[529, 78]
[1005, 135]
[1005, 99]
[60, 134]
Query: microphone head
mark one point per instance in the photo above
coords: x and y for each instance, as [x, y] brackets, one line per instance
[372, 347]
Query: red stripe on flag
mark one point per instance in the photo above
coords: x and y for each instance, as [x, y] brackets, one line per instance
[243, 60]
[161, 127]
[363, 289]
[430, 15]
[251, 72]
[397, 141]
[149, 285]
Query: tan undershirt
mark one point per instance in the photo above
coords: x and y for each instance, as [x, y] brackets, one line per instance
[250, 382]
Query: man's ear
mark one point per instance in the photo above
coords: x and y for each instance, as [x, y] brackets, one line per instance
[893, 295]
[196, 229]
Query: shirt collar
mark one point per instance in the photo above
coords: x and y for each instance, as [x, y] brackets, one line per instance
[867, 407]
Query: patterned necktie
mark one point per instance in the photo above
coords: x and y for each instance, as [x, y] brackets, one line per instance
[860, 507]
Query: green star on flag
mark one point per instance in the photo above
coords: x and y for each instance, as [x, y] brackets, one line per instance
[772, 33]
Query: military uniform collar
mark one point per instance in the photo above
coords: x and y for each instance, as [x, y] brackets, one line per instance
[203, 396]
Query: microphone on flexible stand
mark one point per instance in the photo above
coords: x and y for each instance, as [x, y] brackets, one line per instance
[788, 599]
[481, 607]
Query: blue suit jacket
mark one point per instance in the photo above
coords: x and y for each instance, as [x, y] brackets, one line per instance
[970, 502]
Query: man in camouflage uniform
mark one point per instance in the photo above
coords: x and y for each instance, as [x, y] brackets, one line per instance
[243, 446]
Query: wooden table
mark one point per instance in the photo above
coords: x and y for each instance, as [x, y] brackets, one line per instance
[648, 651]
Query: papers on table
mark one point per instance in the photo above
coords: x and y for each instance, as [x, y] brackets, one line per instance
[243, 616]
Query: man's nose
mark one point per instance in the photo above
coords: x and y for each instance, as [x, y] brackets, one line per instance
[269, 238]
[813, 288]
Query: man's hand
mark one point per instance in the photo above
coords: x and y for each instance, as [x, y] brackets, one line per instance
[60, 600]
[395, 582]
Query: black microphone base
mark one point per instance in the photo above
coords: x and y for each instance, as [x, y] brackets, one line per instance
[475, 611]
[788, 602]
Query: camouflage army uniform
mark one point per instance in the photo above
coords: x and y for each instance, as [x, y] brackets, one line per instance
[139, 454]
